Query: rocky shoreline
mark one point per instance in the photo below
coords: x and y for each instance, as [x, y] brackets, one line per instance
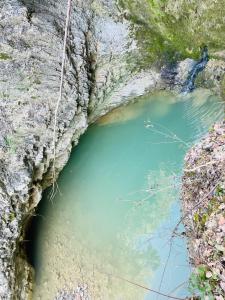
[203, 200]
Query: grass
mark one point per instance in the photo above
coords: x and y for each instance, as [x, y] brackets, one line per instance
[4, 56]
[203, 281]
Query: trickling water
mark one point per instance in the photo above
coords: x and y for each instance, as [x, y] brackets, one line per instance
[200, 65]
[118, 203]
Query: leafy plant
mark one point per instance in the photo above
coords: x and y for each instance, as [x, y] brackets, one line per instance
[11, 143]
[219, 191]
[4, 56]
[203, 282]
[200, 220]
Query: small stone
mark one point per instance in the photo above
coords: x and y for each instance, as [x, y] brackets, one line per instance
[208, 274]
[219, 298]
[208, 147]
[222, 227]
[222, 206]
[221, 221]
[216, 271]
[222, 285]
[220, 248]
[218, 129]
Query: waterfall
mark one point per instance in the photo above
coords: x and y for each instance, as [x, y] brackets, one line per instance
[200, 65]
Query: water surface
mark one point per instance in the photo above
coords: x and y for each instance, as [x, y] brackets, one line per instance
[111, 222]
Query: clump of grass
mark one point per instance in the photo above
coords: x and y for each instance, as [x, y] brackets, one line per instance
[4, 56]
[11, 143]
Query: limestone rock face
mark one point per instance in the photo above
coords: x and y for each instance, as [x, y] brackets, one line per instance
[97, 66]
[31, 38]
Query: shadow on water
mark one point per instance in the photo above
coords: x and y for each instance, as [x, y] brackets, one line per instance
[33, 230]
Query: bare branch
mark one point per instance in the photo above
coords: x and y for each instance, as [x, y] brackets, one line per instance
[201, 166]
[142, 286]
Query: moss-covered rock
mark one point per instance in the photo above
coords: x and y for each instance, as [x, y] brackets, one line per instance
[4, 56]
[213, 77]
[177, 28]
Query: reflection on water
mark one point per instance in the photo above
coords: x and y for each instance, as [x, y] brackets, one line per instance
[111, 221]
[134, 110]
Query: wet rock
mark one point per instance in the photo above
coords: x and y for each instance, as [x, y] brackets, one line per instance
[213, 76]
[208, 147]
[80, 293]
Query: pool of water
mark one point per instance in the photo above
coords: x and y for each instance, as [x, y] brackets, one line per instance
[108, 230]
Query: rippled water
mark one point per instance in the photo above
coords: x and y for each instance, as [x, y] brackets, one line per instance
[108, 230]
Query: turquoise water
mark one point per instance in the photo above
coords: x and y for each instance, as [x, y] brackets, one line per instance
[111, 221]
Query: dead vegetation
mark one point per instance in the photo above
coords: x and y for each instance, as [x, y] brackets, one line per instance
[203, 196]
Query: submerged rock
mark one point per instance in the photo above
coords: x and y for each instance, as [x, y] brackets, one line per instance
[80, 293]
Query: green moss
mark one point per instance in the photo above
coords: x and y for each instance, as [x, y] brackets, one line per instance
[213, 205]
[4, 56]
[211, 129]
[4, 95]
[12, 216]
[203, 215]
[11, 143]
[37, 81]
[4, 218]
[190, 173]
[175, 29]
[222, 87]
[219, 191]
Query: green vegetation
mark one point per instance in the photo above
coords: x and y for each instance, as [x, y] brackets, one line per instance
[219, 191]
[204, 282]
[12, 216]
[4, 95]
[37, 81]
[4, 56]
[174, 29]
[200, 220]
[222, 86]
[11, 143]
